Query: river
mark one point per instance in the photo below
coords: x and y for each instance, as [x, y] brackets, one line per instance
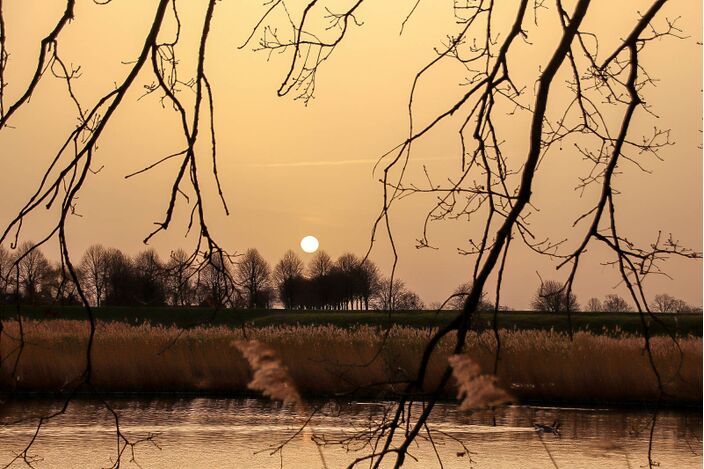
[243, 433]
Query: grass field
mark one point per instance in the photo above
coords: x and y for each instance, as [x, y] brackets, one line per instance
[329, 360]
[609, 323]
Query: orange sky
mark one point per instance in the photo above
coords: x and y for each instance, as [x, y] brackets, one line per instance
[290, 170]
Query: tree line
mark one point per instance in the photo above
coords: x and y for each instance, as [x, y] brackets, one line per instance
[112, 278]
[553, 297]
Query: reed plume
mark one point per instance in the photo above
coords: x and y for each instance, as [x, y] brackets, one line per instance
[271, 377]
[475, 390]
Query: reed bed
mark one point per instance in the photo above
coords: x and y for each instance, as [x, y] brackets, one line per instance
[361, 361]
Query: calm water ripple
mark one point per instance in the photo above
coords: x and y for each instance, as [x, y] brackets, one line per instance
[239, 433]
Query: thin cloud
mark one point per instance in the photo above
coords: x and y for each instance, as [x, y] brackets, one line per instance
[302, 164]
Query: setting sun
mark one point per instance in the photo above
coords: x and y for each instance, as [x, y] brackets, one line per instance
[309, 244]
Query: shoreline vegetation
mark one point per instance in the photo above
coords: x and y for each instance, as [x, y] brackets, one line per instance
[328, 360]
[608, 323]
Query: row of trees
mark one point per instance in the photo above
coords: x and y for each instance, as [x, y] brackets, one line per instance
[111, 278]
[552, 296]
[346, 283]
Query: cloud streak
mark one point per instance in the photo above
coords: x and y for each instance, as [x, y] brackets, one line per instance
[306, 164]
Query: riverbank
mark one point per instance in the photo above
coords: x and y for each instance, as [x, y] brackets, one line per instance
[611, 323]
[329, 360]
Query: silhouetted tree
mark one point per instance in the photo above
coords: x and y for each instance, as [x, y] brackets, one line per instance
[665, 303]
[351, 282]
[122, 281]
[292, 291]
[552, 297]
[213, 287]
[5, 274]
[335, 284]
[149, 274]
[319, 270]
[410, 301]
[288, 268]
[594, 305]
[368, 282]
[264, 297]
[459, 296]
[348, 289]
[253, 274]
[94, 268]
[34, 270]
[615, 304]
[60, 288]
[320, 265]
[396, 297]
[178, 274]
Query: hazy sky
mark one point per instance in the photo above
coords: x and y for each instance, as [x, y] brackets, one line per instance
[289, 170]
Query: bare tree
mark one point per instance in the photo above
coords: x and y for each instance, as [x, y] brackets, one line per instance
[59, 288]
[594, 305]
[319, 269]
[179, 274]
[615, 304]
[254, 275]
[121, 286]
[665, 303]
[553, 297]
[321, 264]
[212, 287]
[288, 268]
[347, 265]
[148, 264]
[459, 295]
[394, 296]
[368, 282]
[410, 301]
[389, 294]
[5, 272]
[151, 289]
[94, 272]
[33, 270]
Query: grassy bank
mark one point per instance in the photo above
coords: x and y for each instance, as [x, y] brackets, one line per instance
[680, 324]
[325, 360]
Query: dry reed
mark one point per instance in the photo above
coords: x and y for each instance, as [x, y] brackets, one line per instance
[324, 360]
[271, 377]
[475, 390]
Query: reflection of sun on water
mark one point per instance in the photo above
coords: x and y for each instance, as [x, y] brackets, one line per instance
[310, 244]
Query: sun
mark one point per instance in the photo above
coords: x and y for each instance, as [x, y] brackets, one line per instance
[309, 244]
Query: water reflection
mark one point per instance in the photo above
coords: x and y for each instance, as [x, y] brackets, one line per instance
[243, 433]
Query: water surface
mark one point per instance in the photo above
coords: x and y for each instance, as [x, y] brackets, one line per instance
[243, 433]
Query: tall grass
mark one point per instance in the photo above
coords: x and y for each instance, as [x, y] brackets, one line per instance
[324, 360]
